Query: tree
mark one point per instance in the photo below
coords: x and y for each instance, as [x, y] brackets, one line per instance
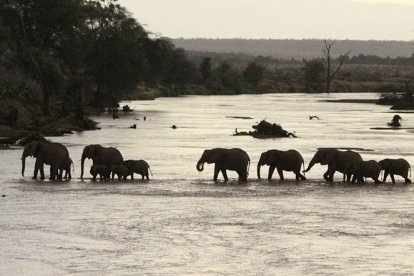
[38, 35]
[229, 77]
[205, 69]
[253, 73]
[313, 71]
[331, 72]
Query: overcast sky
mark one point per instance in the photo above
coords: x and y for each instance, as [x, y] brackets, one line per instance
[336, 19]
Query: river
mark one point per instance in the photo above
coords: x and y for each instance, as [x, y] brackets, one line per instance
[181, 222]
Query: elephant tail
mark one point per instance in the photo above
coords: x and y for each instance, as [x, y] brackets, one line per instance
[150, 170]
[303, 164]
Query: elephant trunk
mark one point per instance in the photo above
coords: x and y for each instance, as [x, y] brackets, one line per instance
[310, 165]
[258, 170]
[200, 166]
[23, 165]
[82, 165]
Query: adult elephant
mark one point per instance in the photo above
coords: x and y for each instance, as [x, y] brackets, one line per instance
[363, 169]
[336, 160]
[395, 166]
[101, 156]
[226, 159]
[290, 160]
[53, 154]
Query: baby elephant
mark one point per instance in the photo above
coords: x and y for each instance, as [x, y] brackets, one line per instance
[290, 161]
[66, 166]
[120, 170]
[395, 166]
[103, 171]
[138, 166]
[361, 169]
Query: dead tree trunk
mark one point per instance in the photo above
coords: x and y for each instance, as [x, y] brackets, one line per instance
[331, 72]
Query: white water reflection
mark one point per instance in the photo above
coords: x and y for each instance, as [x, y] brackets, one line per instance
[181, 222]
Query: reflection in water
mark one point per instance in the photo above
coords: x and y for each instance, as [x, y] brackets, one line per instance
[181, 222]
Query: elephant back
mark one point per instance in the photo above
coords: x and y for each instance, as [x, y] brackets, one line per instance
[54, 153]
[345, 158]
[108, 156]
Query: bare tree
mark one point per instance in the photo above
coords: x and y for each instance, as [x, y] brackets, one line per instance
[331, 72]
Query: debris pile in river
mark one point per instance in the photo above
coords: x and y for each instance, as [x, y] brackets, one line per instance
[265, 129]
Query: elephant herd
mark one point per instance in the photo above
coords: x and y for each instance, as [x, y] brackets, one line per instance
[109, 162]
[349, 163]
[106, 161]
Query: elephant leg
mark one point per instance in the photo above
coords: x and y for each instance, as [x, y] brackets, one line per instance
[271, 170]
[216, 172]
[142, 176]
[54, 172]
[326, 175]
[407, 180]
[354, 178]
[132, 175]
[35, 170]
[42, 172]
[224, 173]
[280, 172]
[376, 180]
[385, 176]
[147, 176]
[348, 177]
[329, 175]
[69, 175]
[392, 178]
[51, 176]
[242, 174]
[61, 174]
[299, 176]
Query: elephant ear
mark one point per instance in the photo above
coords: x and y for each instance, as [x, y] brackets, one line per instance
[272, 158]
[34, 148]
[216, 156]
[91, 151]
[329, 157]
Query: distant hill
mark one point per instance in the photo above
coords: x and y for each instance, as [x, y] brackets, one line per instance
[296, 49]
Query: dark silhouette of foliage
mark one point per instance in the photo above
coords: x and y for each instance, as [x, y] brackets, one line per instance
[313, 74]
[84, 52]
[253, 73]
[205, 69]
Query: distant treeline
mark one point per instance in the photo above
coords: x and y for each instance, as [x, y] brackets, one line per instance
[296, 49]
[240, 58]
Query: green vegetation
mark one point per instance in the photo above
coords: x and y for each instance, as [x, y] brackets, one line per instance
[67, 58]
[60, 60]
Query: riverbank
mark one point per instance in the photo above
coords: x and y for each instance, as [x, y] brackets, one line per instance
[12, 135]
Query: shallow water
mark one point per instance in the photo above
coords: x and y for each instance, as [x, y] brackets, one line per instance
[181, 222]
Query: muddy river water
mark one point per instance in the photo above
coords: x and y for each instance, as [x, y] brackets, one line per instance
[181, 222]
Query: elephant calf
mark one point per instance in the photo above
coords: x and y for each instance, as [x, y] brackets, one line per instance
[121, 171]
[138, 166]
[395, 166]
[290, 160]
[361, 169]
[66, 166]
[103, 171]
